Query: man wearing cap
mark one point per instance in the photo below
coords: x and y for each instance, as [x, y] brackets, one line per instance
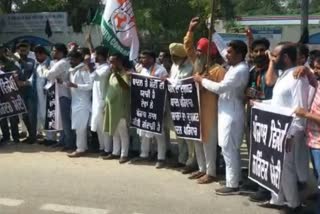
[206, 151]
[182, 68]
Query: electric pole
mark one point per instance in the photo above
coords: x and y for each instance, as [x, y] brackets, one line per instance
[304, 15]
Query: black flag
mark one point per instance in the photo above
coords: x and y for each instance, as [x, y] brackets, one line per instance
[304, 39]
[48, 29]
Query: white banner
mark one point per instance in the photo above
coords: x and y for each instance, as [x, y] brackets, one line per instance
[33, 22]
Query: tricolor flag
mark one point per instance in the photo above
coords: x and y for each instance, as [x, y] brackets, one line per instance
[118, 28]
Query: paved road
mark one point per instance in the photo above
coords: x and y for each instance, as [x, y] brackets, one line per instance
[38, 180]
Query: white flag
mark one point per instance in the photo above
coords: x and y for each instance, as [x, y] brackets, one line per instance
[119, 28]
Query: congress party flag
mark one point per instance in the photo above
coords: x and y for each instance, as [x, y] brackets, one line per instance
[119, 28]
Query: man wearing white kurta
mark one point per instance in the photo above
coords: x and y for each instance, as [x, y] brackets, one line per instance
[81, 86]
[99, 77]
[291, 93]
[231, 112]
[151, 68]
[60, 73]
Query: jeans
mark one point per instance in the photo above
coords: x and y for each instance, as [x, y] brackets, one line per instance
[68, 135]
[14, 121]
[315, 158]
[30, 118]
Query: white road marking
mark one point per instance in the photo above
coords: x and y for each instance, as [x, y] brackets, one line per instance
[10, 202]
[72, 209]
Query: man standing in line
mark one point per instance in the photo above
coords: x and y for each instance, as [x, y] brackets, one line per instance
[60, 73]
[81, 85]
[257, 89]
[206, 151]
[26, 82]
[291, 93]
[151, 68]
[231, 112]
[99, 77]
[8, 65]
[117, 109]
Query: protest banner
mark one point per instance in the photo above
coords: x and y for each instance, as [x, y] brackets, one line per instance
[147, 103]
[269, 128]
[50, 121]
[185, 108]
[11, 102]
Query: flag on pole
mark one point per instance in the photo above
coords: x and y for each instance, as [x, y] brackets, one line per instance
[118, 28]
[48, 29]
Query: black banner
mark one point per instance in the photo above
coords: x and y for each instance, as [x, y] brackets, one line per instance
[11, 102]
[184, 107]
[268, 135]
[50, 122]
[147, 103]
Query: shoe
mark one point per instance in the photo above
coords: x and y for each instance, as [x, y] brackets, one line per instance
[67, 149]
[177, 165]
[188, 170]
[260, 196]
[57, 145]
[123, 160]
[302, 186]
[206, 179]
[289, 210]
[140, 160]
[225, 191]
[249, 187]
[49, 142]
[111, 157]
[4, 140]
[160, 164]
[23, 135]
[104, 154]
[29, 140]
[196, 175]
[268, 205]
[76, 154]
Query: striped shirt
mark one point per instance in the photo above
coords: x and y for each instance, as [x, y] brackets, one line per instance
[313, 129]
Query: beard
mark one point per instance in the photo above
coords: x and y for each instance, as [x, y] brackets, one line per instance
[280, 65]
[200, 64]
[260, 60]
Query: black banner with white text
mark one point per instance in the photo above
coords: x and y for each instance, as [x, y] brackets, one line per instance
[185, 108]
[11, 102]
[50, 121]
[268, 136]
[147, 103]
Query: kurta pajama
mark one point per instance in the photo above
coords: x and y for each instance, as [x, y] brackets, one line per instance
[81, 104]
[231, 118]
[206, 151]
[117, 113]
[99, 77]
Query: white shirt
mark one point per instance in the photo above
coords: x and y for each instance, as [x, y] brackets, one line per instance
[157, 71]
[233, 85]
[291, 93]
[99, 77]
[60, 70]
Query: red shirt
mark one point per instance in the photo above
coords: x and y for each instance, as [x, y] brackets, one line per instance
[313, 129]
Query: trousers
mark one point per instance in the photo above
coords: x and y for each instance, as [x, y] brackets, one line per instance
[187, 152]
[288, 184]
[68, 135]
[161, 146]
[302, 158]
[82, 141]
[105, 140]
[121, 139]
[206, 154]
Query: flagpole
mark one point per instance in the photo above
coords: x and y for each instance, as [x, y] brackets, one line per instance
[212, 19]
